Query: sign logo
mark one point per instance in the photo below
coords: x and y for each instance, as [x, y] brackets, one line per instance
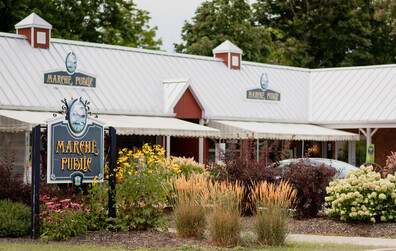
[264, 81]
[77, 116]
[75, 146]
[71, 62]
[264, 93]
[70, 77]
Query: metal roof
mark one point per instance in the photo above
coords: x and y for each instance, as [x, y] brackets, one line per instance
[227, 46]
[354, 94]
[131, 82]
[33, 20]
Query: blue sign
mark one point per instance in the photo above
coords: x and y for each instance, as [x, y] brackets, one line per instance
[70, 77]
[75, 147]
[264, 93]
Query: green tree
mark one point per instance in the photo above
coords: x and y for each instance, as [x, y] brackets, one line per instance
[218, 20]
[315, 33]
[102, 21]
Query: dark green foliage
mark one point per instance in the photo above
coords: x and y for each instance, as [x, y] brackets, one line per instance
[14, 219]
[11, 185]
[218, 20]
[103, 21]
[316, 33]
[244, 168]
[310, 181]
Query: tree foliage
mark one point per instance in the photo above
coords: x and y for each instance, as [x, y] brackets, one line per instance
[316, 33]
[102, 21]
[218, 20]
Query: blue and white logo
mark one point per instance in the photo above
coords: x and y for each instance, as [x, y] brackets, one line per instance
[264, 81]
[71, 62]
[77, 116]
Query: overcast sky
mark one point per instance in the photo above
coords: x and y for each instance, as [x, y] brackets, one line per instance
[169, 16]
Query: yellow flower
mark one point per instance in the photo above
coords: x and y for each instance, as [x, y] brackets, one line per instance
[150, 171]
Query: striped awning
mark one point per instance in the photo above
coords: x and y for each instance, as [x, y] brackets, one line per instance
[282, 131]
[17, 121]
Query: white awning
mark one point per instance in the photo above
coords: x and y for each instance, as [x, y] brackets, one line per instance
[282, 131]
[17, 121]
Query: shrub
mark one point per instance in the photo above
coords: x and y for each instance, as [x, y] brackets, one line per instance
[62, 219]
[363, 195]
[224, 212]
[14, 219]
[310, 181]
[189, 211]
[273, 205]
[11, 185]
[143, 186]
[244, 168]
[390, 167]
[188, 166]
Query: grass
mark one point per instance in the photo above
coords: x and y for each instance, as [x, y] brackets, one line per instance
[189, 212]
[272, 211]
[303, 246]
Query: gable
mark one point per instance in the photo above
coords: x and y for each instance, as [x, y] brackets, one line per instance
[188, 107]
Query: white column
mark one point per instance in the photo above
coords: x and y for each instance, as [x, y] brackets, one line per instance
[258, 150]
[168, 147]
[352, 152]
[200, 145]
[27, 172]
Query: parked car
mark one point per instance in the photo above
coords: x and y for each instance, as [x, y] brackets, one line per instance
[342, 168]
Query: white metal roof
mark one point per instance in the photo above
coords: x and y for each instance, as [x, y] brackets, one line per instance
[227, 46]
[282, 131]
[33, 20]
[130, 82]
[17, 121]
[354, 95]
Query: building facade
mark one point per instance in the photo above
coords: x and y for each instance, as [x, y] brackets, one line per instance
[185, 102]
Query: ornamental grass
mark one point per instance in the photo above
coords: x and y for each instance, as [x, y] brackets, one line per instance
[189, 212]
[273, 204]
[224, 212]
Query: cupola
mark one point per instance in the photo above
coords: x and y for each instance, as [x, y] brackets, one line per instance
[230, 53]
[36, 30]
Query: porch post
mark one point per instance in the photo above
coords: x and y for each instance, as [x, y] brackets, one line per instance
[200, 145]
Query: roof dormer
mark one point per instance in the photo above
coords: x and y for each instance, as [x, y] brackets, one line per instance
[230, 53]
[36, 30]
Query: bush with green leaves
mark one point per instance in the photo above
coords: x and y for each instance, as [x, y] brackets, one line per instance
[62, 219]
[363, 195]
[14, 219]
[143, 186]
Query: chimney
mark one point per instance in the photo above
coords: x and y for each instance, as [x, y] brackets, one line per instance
[36, 30]
[230, 53]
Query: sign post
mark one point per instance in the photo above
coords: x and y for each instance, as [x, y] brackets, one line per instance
[112, 167]
[35, 218]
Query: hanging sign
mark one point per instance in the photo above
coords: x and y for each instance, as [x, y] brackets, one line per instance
[263, 93]
[370, 153]
[75, 146]
[69, 77]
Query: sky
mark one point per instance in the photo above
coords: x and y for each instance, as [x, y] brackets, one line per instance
[169, 17]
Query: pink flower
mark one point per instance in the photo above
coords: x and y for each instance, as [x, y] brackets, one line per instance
[60, 219]
[86, 210]
[49, 203]
[48, 217]
[57, 204]
[65, 200]
[44, 212]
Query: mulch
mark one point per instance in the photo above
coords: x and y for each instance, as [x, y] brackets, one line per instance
[321, 225]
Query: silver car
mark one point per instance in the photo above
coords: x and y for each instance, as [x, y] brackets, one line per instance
[342, 168]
